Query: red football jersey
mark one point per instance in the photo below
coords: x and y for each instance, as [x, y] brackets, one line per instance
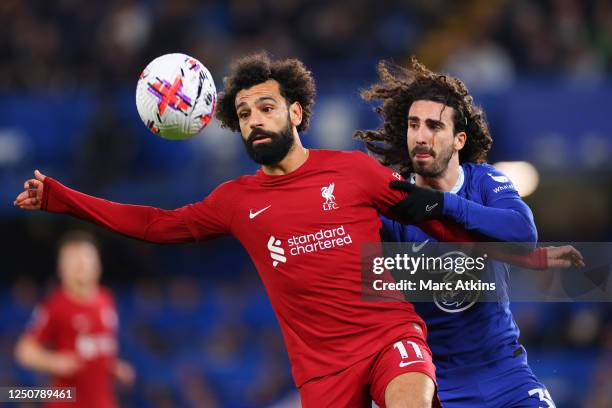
[304, 232]
[89, 329]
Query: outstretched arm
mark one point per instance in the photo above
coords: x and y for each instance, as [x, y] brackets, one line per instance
[136, 221]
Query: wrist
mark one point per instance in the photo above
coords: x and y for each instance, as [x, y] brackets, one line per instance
[450, 204]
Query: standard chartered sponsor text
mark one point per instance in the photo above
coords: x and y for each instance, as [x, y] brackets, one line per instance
[318, 241]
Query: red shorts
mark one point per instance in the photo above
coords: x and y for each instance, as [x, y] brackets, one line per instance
[366, 381]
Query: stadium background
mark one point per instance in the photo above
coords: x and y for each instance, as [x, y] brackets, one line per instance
[195, 320]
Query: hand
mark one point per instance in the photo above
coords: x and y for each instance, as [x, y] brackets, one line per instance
[565, 256]
[124, 372]
[64, 364]
[420, 205]
[31, 197]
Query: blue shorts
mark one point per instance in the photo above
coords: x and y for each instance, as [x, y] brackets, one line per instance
[516, 387]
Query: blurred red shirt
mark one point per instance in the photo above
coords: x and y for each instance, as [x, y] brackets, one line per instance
[89, 329]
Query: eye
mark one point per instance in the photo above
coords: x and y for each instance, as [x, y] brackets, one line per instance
[243, 115]
[412, 125]
[267, 109]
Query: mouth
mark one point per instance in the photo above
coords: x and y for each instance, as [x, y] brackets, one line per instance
[422, 156]
[261, 139]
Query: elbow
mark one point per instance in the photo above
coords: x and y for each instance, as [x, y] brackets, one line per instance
[528, 235]
[523, 230]
[20, 352]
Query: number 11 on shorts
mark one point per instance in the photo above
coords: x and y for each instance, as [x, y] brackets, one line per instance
[418, 355]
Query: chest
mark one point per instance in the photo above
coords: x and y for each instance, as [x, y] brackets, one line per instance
[90, 319]
[297, 208]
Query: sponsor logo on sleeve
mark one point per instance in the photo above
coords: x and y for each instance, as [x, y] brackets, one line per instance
[502, 179]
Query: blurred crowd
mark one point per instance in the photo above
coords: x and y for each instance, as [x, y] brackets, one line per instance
[69, 43]
[199, 327]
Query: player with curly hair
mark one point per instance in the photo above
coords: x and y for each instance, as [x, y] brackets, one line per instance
[436, 136]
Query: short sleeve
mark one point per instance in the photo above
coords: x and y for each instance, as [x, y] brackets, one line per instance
[42, 325]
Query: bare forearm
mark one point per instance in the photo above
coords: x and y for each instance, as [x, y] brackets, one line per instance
[32, 355]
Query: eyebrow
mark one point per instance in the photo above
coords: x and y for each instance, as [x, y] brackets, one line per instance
[263, 98]
[428, 121]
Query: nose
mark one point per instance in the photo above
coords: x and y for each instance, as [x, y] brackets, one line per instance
[420, 135]
[255, 120]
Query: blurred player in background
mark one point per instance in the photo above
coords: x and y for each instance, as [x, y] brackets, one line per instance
[476, 350]
[73, 333]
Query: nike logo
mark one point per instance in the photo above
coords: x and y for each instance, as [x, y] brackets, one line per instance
[428, 208]
[255, 214]
[417, 248]
[407, 363]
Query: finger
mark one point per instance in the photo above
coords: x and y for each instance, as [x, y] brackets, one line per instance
[32, 201]
[559, 263]
[39, 176]
[565, 251]
[402, 185]
[32, 183]
[576, 253]
[27, 207]
[22, 196]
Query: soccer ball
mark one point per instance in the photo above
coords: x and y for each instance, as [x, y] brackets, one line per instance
[176, 96]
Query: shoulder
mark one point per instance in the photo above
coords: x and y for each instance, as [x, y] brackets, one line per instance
[485, 173]
[47, 308]
[106, 296]
[229, 189]
[349, 156]
[53, 300]
[490, 181]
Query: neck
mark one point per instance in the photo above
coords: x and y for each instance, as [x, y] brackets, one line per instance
[292, 161]
[81, 293]
[443, 182]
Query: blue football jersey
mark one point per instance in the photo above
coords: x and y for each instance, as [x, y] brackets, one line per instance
[473, 342]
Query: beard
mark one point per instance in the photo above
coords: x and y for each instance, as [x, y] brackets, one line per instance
[273, 151]
[440, 161]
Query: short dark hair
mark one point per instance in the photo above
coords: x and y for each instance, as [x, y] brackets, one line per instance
[295, 81]
[398, 88]
[77, 237]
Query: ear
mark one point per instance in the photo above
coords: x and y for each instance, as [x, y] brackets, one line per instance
[460, 139]
[295, 114]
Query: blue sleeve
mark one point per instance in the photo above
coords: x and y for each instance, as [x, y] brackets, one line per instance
[503, 216]
[393, 231]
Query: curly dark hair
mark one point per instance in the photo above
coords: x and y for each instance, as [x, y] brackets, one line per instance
[398, 88]
[296, 85]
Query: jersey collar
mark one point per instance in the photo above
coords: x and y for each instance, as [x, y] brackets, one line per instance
[459, 182]
[457, 185]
